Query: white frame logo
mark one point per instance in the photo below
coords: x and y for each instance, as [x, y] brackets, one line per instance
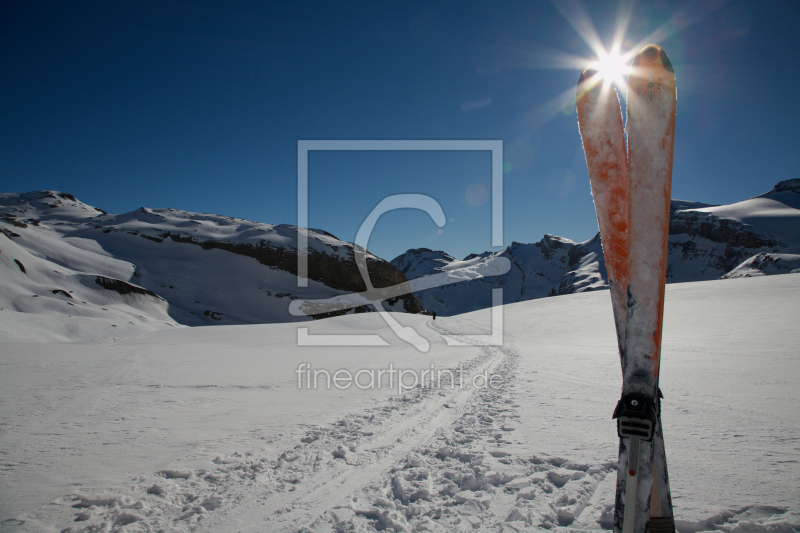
[373, 296]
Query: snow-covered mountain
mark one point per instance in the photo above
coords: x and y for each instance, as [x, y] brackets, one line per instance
[160, 268]
[758, 236]
[537, 270]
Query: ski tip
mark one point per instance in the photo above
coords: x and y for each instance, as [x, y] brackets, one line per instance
[652, 53]
[587, 73]
[666, 62]
[586, 82]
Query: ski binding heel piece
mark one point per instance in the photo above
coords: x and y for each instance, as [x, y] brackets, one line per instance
[636, 416]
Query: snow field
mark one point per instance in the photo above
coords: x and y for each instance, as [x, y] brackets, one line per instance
[205, 429]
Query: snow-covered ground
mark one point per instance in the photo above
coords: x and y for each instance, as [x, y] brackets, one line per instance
[206, 428]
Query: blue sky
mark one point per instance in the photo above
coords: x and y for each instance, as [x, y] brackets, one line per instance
[199, 106]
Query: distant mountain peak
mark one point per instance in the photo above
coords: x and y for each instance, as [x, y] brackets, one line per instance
[428, 251]
[418, 262]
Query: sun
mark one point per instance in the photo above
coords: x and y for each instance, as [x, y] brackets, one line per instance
[608, 65]
[612, 67]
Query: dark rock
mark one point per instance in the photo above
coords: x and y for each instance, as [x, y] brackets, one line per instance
[335, 272]
[792, 185]
[123, 287]
[213, 314]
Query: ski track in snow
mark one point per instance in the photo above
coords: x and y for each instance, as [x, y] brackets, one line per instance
[431, 460]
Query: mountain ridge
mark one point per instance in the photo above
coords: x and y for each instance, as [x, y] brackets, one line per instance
[204, 269]
[154, 268]
[757, 236]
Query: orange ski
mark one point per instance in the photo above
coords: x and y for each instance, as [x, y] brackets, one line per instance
[600, 121]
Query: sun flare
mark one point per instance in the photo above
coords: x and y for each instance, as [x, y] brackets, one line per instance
[613, 68]
[610, 59]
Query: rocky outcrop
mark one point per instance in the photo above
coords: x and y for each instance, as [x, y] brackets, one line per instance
[123, 287]
[792, 185]
[334, 271]
[719, 230]
[766, 264]
[716, 243]
[550, 244]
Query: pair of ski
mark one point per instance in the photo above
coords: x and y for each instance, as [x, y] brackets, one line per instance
[631, 193]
